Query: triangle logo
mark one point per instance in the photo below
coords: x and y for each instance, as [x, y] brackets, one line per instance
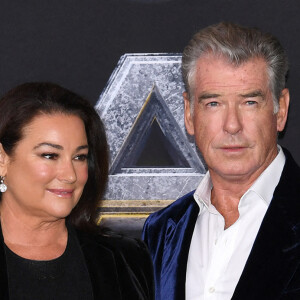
[155, 141]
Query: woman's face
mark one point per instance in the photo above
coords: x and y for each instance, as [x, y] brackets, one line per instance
[48, 169]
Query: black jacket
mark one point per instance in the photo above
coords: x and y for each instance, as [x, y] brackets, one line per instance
[272, 270]
[119, 267]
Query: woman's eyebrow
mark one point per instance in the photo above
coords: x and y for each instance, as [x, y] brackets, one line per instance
[50, 145]
[82, 147]
[59, 147]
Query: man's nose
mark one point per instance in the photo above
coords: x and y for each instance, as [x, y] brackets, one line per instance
[233, 120]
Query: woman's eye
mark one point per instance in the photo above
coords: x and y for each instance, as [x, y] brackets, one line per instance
[81, 157]
[50, 155]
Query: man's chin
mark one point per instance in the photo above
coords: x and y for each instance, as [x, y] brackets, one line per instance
[236, 173]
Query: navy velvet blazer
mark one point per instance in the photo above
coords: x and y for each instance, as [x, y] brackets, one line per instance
[120, 268]
[272, 270]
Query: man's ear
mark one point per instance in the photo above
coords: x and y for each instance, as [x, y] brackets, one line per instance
[188, 114]
[4, 159]
[284, 102]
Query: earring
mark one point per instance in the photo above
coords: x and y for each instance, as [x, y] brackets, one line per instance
[3, 186]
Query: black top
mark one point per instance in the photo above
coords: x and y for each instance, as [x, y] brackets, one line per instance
[119, 268]
[65, 277]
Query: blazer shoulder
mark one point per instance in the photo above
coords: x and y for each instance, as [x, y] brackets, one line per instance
[120, 243]
[131, 261]
[291, 167]
[288, 185]
[115, 243]
[286, 197]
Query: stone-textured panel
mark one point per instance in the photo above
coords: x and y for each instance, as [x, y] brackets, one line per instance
[119, 106]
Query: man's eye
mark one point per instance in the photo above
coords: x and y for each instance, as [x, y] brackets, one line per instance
[81, 157]
[50, 155]
[212, 104]
[251, 102]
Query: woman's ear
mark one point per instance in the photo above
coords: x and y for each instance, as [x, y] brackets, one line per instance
[4, 159]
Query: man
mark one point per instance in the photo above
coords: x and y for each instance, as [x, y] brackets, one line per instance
[238, 235]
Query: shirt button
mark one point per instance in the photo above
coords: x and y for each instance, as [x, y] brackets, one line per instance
[211, 289]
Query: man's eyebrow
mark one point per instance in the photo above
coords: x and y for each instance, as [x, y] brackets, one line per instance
[59, 147]
[205, 96]
[253, 94]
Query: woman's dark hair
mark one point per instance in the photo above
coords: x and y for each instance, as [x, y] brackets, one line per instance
[21, 105]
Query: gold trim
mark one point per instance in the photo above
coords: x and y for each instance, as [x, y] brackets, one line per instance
[122, 215]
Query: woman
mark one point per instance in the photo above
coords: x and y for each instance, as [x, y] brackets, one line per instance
[53, 171]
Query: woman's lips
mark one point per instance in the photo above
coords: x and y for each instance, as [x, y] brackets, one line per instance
[61, 192]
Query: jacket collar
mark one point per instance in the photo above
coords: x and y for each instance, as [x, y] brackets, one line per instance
[178, 237]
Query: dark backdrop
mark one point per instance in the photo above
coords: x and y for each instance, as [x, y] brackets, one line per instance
[77, 43]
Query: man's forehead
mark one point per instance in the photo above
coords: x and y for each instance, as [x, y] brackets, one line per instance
[214, 69]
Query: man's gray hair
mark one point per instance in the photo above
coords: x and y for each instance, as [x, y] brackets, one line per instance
[238, 44]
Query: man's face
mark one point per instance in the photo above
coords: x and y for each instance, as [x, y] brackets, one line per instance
[233, 121]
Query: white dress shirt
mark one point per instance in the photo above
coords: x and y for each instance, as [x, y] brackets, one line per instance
[217, 257]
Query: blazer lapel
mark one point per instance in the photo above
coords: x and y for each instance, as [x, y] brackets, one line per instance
[101, 265]
[275, 254]
[177, 243]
